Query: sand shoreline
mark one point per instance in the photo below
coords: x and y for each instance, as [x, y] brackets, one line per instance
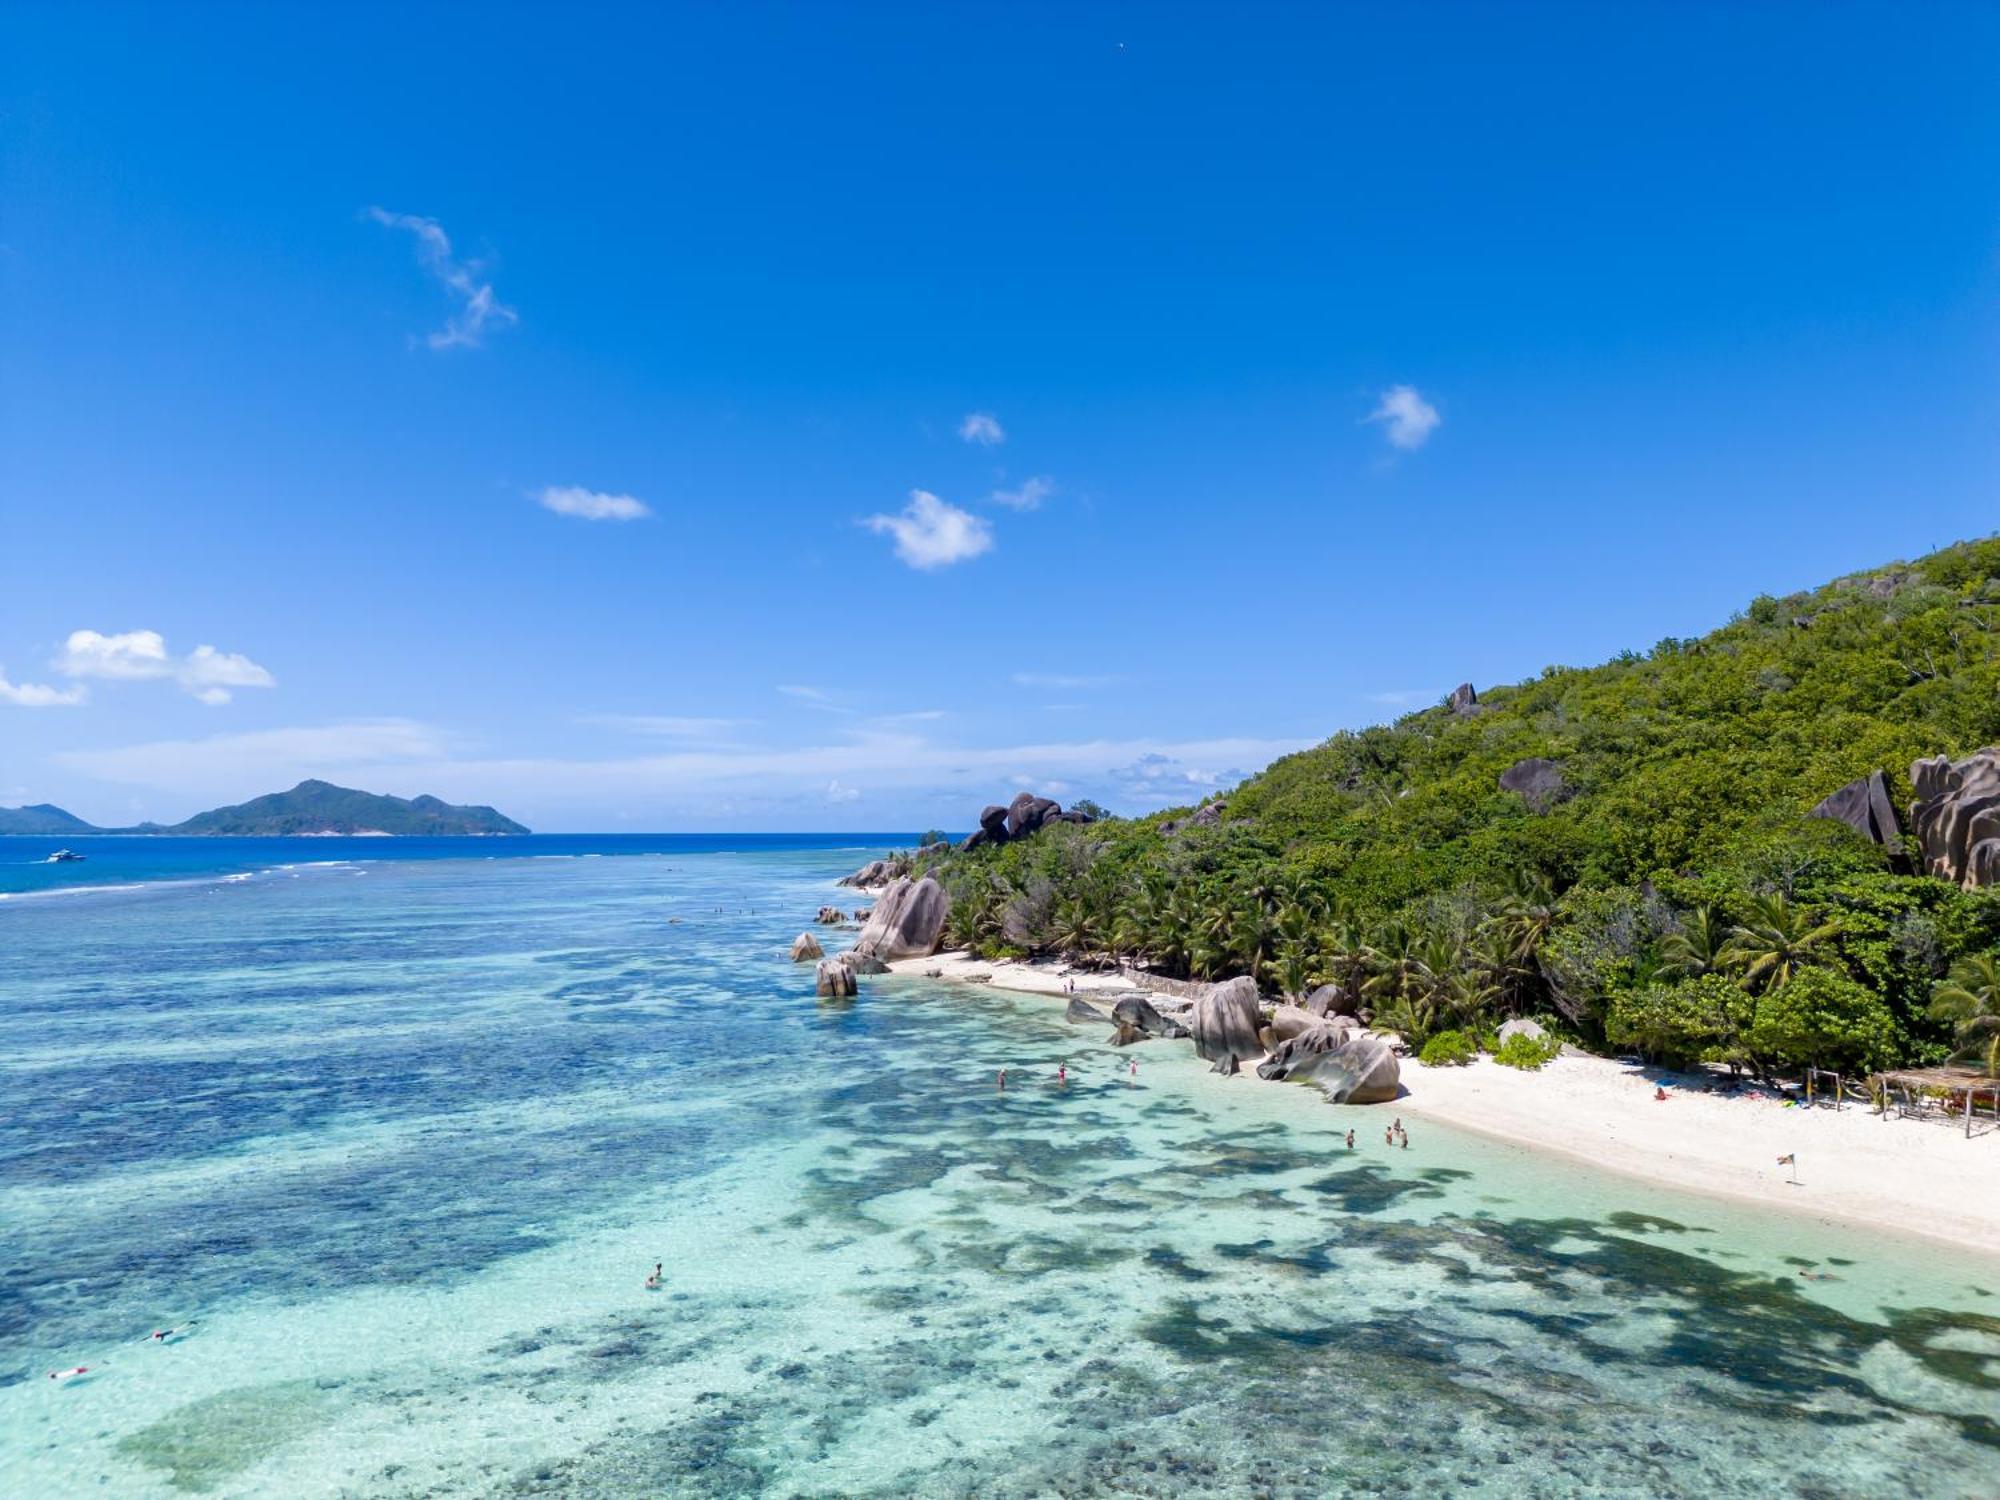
[1899, 1177]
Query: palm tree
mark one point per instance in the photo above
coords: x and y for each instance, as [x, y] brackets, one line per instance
[1526, 914]
[1701, 946]
[1250, 935]
[1777, 941]
[1348, 957]
[1970, 997]
[1074, 927]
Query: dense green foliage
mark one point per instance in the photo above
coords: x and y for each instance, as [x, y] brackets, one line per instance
[1528, 1053]
[1448, 1049]
[1672, 895]
[42, 817]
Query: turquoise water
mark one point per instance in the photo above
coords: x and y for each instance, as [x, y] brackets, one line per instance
[405, 1137]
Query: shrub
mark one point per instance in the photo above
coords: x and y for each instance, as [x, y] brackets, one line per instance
[1696, 1020]
[1822, 1019]
[1526, 1052]
[1448, 1049]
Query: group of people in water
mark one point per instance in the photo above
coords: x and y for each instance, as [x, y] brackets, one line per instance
[1062, 1074]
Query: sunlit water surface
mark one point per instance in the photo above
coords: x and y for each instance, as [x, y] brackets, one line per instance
[405, 1139]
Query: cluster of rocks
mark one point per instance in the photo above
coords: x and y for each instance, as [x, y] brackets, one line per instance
[1955, 817]
[1206, 816]
[1025, 815]
[877, 873]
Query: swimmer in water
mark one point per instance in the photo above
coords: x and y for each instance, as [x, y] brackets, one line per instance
[1062, 1073]
[1003, 1079]
[1135, 1067]
[169, 1335]
[70, 1374]
[1350, 1140]
[658, 1278]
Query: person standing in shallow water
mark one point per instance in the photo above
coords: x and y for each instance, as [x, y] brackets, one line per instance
[1350, 1140]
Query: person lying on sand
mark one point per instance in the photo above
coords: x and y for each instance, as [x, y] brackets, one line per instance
[1659, 1095]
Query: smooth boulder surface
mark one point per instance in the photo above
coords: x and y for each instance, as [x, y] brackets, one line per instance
[1464, 700]
[1533, 1030]
[1353, 1067]
[1027, 812]
[1865, 807]
[834, 980]
[1226, 1022]
[875, 872]
[1536, 781]
[1329, 1000]
[1137, 1020]
[1080, 1012]
[1288, 1020]
[908, 922]
[805, 947]
[1956, 817]
[862, 963]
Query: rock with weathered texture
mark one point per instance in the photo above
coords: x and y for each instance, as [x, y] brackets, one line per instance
[1027, 812]
[1520, 1026]
[1080, 1012]
[834, 980]
[1536, 781]
[1956, 817]
[1353, 1067]
[863, 963]
[829, 915]
[1329, 1000]
[1226, 1022]
[1865, 807]
[805, 948]
[973, 840]
[875, 872]
[1206, 816]
[1288, 1020]
[908, 922]
[993, 823]
[1137, 1020]
[1464, 700]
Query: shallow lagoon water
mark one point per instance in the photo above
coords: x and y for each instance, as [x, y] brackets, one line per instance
[405, 1139]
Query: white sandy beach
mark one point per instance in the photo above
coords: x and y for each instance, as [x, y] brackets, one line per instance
[1901, 1176]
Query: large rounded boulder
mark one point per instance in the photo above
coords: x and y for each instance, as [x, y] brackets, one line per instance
[1353, 1067]
[1225, 1024]
[907, 922]
[806, 948]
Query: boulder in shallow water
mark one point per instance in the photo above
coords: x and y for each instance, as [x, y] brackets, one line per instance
[1137, 1020]
[834, 980]
[805, 948]
[1081, 1012]
[863, 963]
[908, 922]
[1226, 1022]
[828, 915]
[1353, 1067]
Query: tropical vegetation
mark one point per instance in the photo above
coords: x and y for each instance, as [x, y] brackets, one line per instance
[1672, 895]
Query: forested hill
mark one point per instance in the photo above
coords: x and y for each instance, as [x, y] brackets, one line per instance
[1659, 790]
[321, 807]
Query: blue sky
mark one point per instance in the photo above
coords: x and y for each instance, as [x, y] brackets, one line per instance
[1326, 355]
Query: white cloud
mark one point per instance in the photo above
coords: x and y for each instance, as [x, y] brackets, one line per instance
[931, 534]
[478, 307]
[983, 428]
[142, 655]
[39, 695]
[836, 792]
[131, 656]
[1029, 496]
[1061, 680]
[591, 505]
[1408, 419]
[1404, 697]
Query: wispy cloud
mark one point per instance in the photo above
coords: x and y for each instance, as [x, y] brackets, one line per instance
[478, 307]
[932, 534]
[404, 756]
[39, 695]
[227, 762]
[1404, 697]
[591, 505]
[914, 716]
[1061, 680]
[1029, 495]
[837, 792]
[1407, 419]
[142, 655]
[667, 726]
[983, 428]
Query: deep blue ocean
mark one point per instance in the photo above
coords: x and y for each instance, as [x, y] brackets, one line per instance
[394, 1130]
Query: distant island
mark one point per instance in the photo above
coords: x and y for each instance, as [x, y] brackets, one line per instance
[309, 809]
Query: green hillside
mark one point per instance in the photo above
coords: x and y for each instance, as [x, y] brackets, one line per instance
[321, 807]
[41, 817]
[1393, 863]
